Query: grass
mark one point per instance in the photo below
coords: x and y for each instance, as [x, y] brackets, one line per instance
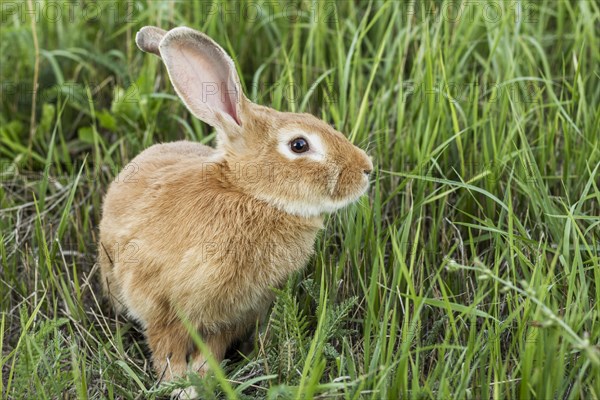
[471, 269]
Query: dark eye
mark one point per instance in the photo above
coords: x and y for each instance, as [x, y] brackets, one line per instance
[299, 145]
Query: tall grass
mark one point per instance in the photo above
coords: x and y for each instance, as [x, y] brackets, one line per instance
[471, 269]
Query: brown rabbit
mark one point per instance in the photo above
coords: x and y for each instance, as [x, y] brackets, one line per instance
[208, 232]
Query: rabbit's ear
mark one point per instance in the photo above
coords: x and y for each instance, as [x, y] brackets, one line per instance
[205, 78]
[148, 38]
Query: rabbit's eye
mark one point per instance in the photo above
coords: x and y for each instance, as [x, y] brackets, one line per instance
[299, 145]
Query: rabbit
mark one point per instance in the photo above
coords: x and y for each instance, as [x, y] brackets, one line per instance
[207, 233]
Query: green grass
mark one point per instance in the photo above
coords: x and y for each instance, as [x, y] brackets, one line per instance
[471, 269]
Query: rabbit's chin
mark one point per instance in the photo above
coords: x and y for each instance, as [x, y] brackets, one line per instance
[313, 209]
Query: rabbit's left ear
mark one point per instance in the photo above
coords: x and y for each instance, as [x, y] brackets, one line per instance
[205, 78]
[148, 38]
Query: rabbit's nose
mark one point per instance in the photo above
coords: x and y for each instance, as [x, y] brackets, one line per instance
[368, 166]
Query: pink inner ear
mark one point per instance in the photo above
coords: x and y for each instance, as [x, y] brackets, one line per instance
[203, 79]
[230, 106]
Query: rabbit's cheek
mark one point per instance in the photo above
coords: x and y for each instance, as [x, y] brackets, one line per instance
[332, 183]
[351, 185]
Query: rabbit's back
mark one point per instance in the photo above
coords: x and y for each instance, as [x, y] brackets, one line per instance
[177, 149]
[127, 191]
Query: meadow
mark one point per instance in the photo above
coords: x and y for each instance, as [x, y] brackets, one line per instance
[470, 270]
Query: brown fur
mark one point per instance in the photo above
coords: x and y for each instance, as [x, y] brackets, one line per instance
[207, 233]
